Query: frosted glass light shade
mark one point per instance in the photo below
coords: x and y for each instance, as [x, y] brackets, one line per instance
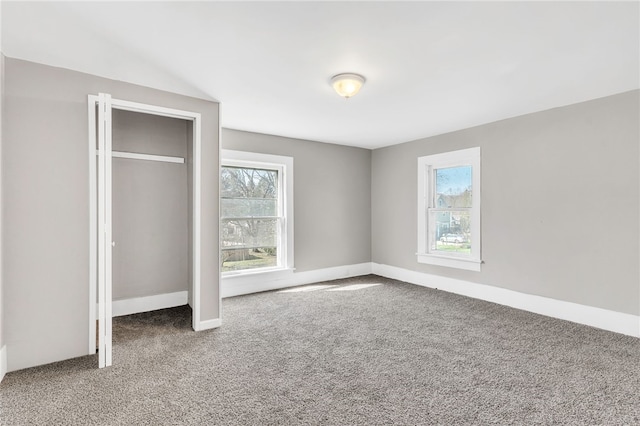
[347, 85]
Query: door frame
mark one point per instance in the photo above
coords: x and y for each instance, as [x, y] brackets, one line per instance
[97, 184]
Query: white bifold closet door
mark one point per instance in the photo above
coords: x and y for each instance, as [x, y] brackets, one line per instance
[105, 242]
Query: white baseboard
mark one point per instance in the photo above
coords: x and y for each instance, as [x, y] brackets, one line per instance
[596, 317]
[3, 362]
[209, 324]
[237, 285]
[148, 303]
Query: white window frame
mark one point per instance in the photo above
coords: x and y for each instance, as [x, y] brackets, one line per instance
[284, 166]
[427, 200]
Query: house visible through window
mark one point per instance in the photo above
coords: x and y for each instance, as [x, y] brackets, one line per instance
[255, 219]
[449, 209]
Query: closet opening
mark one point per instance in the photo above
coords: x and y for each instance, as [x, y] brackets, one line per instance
[144, 170]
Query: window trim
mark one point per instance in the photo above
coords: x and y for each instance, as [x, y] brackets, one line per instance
[426, 200]
[284, 166]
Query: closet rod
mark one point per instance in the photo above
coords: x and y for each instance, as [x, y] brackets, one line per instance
[149, 157]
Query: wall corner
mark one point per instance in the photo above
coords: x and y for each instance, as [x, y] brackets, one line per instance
[3, 362]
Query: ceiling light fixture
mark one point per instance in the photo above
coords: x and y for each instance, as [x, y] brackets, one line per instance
[347, 84]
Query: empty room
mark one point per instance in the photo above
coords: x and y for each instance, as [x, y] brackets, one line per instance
[319, 212]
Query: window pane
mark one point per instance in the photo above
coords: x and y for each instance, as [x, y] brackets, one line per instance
[249, 243]
[248, 207]
[453, 187]
[249, 233]
[452, 231]
[238, 182]
[243, 259]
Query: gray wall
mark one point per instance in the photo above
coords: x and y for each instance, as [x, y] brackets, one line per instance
[46, 215]
[332, 197]
[560, 191]
[2, 321]
[150, 207]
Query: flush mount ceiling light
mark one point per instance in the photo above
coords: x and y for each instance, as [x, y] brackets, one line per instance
[347, 84]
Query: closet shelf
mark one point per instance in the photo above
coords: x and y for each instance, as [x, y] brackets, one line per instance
[148, 157]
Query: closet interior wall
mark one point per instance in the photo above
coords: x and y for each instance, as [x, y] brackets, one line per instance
[151, 207]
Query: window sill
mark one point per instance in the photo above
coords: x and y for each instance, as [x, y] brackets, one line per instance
[450, 262]
[271, 273]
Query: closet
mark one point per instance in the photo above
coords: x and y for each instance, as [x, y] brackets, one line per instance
[144, 212]
[149, 206]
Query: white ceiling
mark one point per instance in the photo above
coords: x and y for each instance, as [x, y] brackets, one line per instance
[431, 67]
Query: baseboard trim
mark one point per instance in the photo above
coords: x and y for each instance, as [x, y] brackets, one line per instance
[209, 324]
[149, 303]
[588, 315]
[3, 362]
[238, 285]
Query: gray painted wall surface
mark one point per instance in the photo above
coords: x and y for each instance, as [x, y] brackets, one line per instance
[150, 207]
[560, 197]
[2, 321]
[46, 217]
[332, 197]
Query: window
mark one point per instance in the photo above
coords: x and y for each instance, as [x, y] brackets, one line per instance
[256, 210]
[449, 209]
